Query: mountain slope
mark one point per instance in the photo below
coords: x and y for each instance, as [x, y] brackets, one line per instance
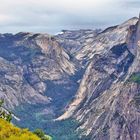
[28, 62]
[107, 101]
[37, 78]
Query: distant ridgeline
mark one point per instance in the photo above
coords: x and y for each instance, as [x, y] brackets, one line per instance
[10, 132]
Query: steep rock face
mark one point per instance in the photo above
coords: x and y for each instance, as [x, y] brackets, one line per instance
[14, 89]
[74, 41]
[101, 73]
[107, 101]
[84, 44]
[104, 41]
[112, 50]
[29, 62]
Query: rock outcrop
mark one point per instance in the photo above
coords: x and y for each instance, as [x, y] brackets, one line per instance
[28, 62]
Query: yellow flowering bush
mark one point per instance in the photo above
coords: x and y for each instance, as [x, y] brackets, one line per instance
[10, 132]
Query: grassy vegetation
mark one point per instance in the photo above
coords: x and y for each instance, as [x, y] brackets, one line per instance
[58, 130]
[63, 130]
[42, 135]
[135, 77]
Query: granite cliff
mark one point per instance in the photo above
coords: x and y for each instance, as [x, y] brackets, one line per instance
[107, 101]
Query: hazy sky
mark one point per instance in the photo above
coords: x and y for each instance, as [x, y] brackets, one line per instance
[54, 15]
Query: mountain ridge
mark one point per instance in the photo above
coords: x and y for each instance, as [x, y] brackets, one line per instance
[86, 75]
[106, 110]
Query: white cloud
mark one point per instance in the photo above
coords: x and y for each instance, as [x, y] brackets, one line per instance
[4, 18]
[54, 15]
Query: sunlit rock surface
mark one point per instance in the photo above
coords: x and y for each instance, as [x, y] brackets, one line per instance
[107, 101]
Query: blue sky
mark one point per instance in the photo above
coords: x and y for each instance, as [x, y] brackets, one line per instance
[54, 15]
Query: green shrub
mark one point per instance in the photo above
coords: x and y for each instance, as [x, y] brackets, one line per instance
[5, 114]
[58, 130]
[41, 134]
[135, 77]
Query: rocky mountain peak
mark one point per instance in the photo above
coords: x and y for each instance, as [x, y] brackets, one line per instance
[138, 30]
[133, 43]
